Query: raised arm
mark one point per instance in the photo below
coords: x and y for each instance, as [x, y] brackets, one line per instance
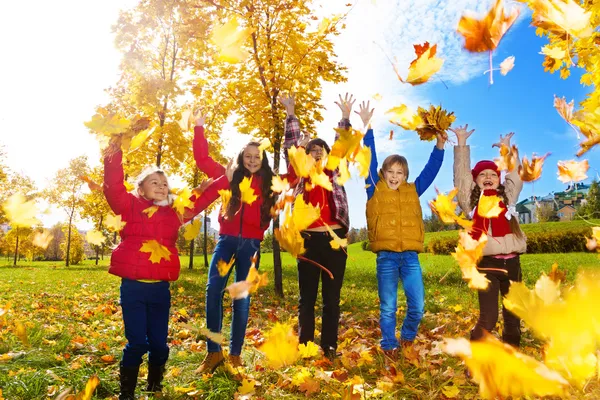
[512, 182]
[114, 189]
[292, 134]
[203, 160]
[463, 180]
[426, 177]
[345, 104]
[369, 141]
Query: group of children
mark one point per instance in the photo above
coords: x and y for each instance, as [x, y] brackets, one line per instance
[396, 235]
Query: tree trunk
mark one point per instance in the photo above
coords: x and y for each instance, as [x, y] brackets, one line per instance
[16, 248]
[97, 254]
[277, 268]
[205, 240]
[99, 230]
[67, 257]
[192, 243]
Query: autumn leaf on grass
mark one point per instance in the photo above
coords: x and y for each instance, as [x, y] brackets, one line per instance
[225, 199]
[91, 184]
[90, 387]
[21, 333]
[363, 160]
[310, 386]
[343, 172]
[508, 158]
[20, 212]
[572, 171]
[280, 346]
[507, 65]
[95, 237]
[192, 229]
[531, 171]
[435, 120]
[445, 207]
[405, 117]
[301, 162]
[182, 200]
[424, 66]
[561, 17]
[308, 350]
[157, 251]
[279, 185]
[108, 359]
[502, 371]
[489, 206]
[247, 386]
[450, 391]
[42, 239]
[223, 267]
[114, 222]
[230, 38]
[151, 210]
[485, 34]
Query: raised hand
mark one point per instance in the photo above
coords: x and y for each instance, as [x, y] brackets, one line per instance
[202, 186]
[504, 140]
[462, 134]
[289, 102]
[441, 140]
[199, 117]
[345, 105]
[364, 113]
[304, 139]
[230, 170]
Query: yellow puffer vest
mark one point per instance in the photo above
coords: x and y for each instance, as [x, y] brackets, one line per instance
[394, 218]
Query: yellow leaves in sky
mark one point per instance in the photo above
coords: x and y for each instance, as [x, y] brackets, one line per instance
[95, 237]
[279, 185]
[297, 219]
[485, 34]
[253, 281]
[508, 158]
[42, 239]
[424, 66]
[531, 171]
[435, 120]
[303, 163]
[225, 199]
[281, 346]
[133, 132]
[192, 229]
[20, 211]
[561, 17]
[468, 253]
[445, 207]
[223, 267]
[572, 171]
[405, 117]
[157, 251]
[507, 65]
[114, 223]
[230, 39]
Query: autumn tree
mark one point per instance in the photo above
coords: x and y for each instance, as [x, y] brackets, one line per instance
[95, 207]
[53, 252]
[286, 53]
[72, 245]
[591, 207]
[65, 192]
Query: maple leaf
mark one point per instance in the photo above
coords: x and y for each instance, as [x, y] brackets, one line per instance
[302, 162]
[224, 267]
[114, 222]
[192, 229]
[157, 251]
[108, 359]
[91, 184]
[280, 346]
[485, 34]
[42, 239]
[489, 206]
[508, 158]
[138, 140]
[346, 146]
[90, 387]
[405, 117]
[279, 185]
[344, 172]
[445, 207]
[182, 201]
[247, 386]
[225, 198]
[308, 350]
[555, 53]
[230, 38]
[320, 178]
[310, 386]
[565, 110]
[150, 211]
[572, 171]
[363, 159]
[502, 371]
[435, 120]
[531, 171]
[336, 243]
[20, 212]
[468, 253]
[247, 193]
[108, 124]
[507, 65]
[21, 333]
[450, 391]
[304, 214]
[424, 66]
[95, 237]
[561, 17]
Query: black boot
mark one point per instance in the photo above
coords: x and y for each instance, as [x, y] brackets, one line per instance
[128, 377]
[155, 377]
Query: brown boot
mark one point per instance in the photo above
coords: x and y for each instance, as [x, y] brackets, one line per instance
[236, 361]
[390, 356]
[211, 362]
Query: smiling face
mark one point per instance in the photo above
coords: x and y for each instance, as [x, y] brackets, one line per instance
[154, 187]
[252, 159]
[488, 179]
[317, 152]
[394, 176]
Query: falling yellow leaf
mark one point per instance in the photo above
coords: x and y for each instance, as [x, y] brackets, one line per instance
[347, 143]
[343, 172]
[507, 65]
[108, 124]
[279, 185]
[308, 350]
[508, 158]
[424, 66]
[230, 38]
[186, 120]
[531, 171]
[377, 97]
[485, 34]
[301, 162]
[192, 229]
[139, 139]
[468, 253]
[114, 222]
[90, 387]
[336, 243]
[489, 206]
[564, 109]
[225, 198]
[150, 211]
[224, 267]
[405, 118]
[320, 178]
[572, 171]
[42, 239]
[247, 192]
[561, 17]
[555, 53]
[304, 214]
[20, 212]
[363, 160]
[182, 200]
[157, 251]
[95, 237]
[280, 346]
[445, 207]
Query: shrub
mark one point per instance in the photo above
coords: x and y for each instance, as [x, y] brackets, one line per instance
[365, 245]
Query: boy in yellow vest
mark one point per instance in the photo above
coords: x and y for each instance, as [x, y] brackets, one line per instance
[396, 234]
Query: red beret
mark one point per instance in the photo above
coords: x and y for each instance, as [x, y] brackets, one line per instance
[483, 165]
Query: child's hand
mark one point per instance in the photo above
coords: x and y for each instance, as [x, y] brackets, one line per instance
[345, 105]
[441, 140]
[504, 140]
[114, 145]
[364, 113]
[230, 170]
[289, 102]
[462, 134]
[199, 117]
[202, 186]
[304, 139]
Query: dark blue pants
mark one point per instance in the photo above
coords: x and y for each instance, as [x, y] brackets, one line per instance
[146, 318]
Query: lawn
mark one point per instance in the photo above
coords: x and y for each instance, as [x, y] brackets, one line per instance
[74, 329]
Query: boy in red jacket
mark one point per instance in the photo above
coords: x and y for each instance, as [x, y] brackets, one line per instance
[150, 223]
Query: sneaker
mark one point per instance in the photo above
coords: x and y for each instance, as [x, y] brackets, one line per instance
[211, 362]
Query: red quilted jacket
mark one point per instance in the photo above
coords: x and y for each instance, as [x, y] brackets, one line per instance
[127, 261]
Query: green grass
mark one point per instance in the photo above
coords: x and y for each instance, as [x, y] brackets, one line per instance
[73, 318]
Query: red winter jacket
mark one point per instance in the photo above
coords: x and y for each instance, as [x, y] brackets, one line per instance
[250, 226]
[127, 261]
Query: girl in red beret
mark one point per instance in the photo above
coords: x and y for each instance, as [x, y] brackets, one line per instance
[500, 262]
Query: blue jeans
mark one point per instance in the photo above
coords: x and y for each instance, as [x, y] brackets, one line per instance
[392, 266]
[243, 250]
[146, 318]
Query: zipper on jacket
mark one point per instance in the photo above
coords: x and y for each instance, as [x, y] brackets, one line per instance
[241, 220]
